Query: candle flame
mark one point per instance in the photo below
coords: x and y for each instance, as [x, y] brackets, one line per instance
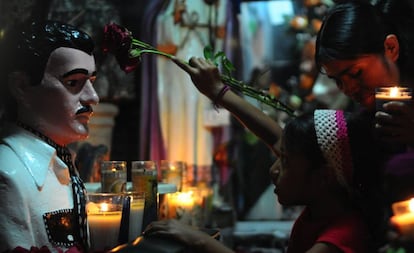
[104, 207]
[411, 205]
[394, 91]
[185, 198]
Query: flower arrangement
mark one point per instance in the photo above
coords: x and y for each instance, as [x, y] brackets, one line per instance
[128, 51]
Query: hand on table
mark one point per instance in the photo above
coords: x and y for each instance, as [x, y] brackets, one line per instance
[175, 229]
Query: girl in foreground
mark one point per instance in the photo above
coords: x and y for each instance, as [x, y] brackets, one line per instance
[327, 162]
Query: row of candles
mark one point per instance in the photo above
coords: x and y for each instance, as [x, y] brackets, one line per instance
[116, 215]
[106, 209]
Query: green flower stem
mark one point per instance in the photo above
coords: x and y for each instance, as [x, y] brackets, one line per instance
[143, 48]
[142, 44]
[152, 52]
[257, 94]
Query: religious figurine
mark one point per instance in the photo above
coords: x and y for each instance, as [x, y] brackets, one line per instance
[47, 94]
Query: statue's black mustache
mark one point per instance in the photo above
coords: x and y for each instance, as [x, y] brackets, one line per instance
[86, 108]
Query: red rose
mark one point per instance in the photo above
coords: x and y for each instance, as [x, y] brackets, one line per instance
[117, 40]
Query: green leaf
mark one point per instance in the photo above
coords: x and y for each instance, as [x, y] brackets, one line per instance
[208, 53]
[219, 55]
[228, 66]
[218, 58]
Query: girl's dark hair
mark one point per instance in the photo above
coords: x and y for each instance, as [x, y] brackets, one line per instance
[300, 136]
[400, 14]
[27, 46]
[350, 29]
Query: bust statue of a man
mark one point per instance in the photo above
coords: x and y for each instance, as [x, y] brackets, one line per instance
[47, 76]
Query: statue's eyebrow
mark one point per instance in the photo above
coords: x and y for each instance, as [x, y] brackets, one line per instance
[77, 71]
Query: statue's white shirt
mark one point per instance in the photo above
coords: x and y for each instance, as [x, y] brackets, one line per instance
[33, 182]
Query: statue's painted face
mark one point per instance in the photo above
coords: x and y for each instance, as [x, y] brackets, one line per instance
[60, 107]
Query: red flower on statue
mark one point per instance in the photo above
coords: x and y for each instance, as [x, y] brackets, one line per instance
[118, 40]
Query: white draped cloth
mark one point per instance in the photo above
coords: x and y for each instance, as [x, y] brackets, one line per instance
[181, 106]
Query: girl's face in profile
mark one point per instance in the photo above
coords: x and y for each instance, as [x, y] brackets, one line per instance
[293, 178]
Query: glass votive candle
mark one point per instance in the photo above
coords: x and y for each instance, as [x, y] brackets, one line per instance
[144, 178]
[172, 172]
[113, 176]
[104, 212]
[136, 213]
[387, 94]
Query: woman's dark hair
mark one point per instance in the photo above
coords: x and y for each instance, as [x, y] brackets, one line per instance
[350, 29]
[400, 14]
[366, 194]
[27, 46]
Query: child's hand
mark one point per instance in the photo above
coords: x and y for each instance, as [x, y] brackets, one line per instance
[204, 74]
[176, 230]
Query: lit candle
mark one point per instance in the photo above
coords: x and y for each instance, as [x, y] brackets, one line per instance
[104, 220]
[387, 94]
[185, 199]
[403, 218]
[180, 206]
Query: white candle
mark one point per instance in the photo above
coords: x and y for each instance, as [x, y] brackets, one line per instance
[103, 225]
[135, 217]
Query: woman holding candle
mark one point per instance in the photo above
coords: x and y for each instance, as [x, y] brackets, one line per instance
[326, 162]
[364, 47]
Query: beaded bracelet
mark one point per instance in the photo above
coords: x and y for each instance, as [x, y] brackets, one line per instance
[220, 95]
